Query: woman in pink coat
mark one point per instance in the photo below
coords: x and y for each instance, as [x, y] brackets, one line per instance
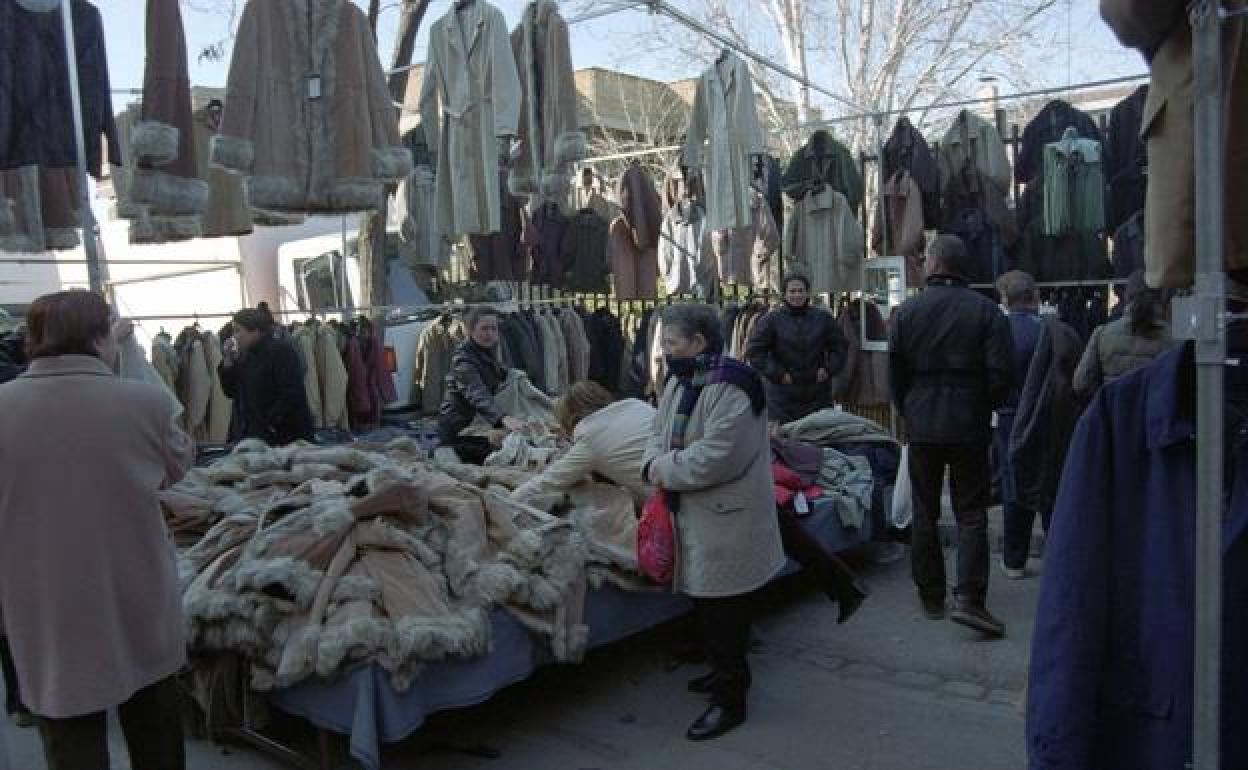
[88, 583]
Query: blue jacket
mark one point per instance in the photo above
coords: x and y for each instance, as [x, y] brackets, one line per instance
[1111, 670]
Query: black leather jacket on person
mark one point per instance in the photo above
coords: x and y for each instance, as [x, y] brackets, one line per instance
[950, 363]
[267, 386]
[797, 342]
[476, 375]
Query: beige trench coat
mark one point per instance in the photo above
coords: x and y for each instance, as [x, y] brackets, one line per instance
[728, 539]
[469, 99]
[333, 153]
[88, 582]
[725, 112]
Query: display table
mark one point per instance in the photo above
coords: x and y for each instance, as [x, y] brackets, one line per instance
[365, 706]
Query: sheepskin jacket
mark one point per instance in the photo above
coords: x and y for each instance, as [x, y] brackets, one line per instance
[320, 558]
[36, 128]
[165, 175]
[549, 130]
[309, 119]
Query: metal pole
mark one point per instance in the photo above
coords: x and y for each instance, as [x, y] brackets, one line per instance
[1209, 170]
[95, 276]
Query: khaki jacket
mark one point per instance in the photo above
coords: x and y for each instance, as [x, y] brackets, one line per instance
[727, 536]
[1168, 129]
[87, 575]
[823, 239]
[725, 112]
[469, 99]
[331, 154]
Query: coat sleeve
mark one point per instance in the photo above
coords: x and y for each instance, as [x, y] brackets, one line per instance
[898, 366]
[228, 375]
[504, 80]
[234, 146]
[725, 450]
[761, 347]
[474, 390]
[999, 360]
[836, 347]
[748, 127]
[1068, 644]
[430, 103]
[1088, 375]
[574, 467]
[290, 395]
[695, 134]
[178, 450]
[390, 159]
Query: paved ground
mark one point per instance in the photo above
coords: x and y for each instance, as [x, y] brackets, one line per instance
[888, 691]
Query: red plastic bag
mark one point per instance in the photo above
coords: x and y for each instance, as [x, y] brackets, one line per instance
[656, 543]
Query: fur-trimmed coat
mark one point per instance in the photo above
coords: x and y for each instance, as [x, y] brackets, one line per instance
[549, 132]
[165, 170]
[320, 558]
[331, 153]
[469, 99]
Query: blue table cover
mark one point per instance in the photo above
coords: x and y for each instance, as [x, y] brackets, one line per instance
[362, 702]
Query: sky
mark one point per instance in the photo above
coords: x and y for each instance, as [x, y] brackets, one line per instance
[1091, 52]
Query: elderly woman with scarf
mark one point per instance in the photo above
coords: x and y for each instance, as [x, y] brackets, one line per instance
[711, 456]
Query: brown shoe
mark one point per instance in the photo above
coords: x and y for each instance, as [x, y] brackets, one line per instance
[976, 616]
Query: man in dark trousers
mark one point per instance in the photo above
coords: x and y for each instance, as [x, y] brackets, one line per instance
[1022, 302]
[951, 365]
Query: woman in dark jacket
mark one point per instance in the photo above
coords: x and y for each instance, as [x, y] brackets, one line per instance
[798, 349]
[1122, 346]
[264, 376]
[475, 378]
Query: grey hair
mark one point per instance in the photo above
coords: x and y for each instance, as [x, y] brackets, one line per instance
[690, 320]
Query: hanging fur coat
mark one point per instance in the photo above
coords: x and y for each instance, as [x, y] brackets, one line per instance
[470, 98]
[165, 172]
[549, 132]
[726, 113]
[325, 141]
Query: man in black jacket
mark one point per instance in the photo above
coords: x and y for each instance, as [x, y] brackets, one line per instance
[951, 364]
[264, 376]
[798, 349]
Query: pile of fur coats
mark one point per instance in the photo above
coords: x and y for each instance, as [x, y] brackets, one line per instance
[310, 560]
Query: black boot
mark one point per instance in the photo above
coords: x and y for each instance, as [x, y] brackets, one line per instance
[716, 721]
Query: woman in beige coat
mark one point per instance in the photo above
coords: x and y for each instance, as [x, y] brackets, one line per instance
[609, 438]
[710, 454]
[88, 583]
